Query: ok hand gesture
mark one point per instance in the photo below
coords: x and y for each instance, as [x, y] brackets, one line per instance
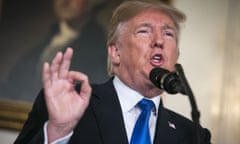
[65, 105]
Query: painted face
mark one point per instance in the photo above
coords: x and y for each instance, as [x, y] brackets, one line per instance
[146, 41]
[69, 9]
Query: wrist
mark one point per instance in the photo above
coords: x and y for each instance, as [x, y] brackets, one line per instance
[56, 131]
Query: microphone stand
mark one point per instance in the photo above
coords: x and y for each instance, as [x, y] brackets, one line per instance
[195, 113]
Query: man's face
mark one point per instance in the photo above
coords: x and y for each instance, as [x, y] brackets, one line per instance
[69, 9]
[146, 41]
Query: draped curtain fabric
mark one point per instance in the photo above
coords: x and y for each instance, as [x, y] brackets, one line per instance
[227, 126]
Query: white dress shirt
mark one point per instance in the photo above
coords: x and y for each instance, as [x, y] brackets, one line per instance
[128, 99]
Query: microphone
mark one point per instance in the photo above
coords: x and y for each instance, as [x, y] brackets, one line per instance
[176, 82]
[166, 80]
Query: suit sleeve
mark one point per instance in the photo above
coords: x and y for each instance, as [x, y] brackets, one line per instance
[32, 131]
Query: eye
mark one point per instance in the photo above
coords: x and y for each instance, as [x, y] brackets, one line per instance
[143, 31]
[169, 34]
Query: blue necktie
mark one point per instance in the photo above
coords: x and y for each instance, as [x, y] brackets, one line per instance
[141, 133]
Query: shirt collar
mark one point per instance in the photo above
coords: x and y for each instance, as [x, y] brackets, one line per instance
[129, 98]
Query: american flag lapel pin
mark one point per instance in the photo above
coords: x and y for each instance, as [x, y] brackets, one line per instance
[171, 125]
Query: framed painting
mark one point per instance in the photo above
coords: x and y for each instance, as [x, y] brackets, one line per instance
[28, 34]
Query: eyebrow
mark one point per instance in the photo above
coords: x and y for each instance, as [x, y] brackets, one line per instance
[167, 26]
[144, 25]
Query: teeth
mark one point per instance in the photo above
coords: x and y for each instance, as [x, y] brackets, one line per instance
[157, 57]
[157, 60]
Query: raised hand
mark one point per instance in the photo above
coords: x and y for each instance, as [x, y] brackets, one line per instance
[65, 105]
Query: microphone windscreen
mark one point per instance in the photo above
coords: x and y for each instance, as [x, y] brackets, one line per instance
[156, 74]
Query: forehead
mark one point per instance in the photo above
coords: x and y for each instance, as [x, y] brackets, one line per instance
[151, 16]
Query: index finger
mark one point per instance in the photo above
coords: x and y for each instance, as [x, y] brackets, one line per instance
[85, 86]
[65, 65]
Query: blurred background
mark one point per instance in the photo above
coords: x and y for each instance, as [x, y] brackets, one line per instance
[209, 53]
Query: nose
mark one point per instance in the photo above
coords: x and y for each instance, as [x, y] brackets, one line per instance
[158, 41]
[158, 44]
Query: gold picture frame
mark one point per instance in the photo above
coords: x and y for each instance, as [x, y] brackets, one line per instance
[13, 114]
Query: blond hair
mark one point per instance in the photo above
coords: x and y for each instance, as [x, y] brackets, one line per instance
[130, 9]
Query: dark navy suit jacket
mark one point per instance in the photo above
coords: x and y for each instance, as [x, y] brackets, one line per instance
[103, 122]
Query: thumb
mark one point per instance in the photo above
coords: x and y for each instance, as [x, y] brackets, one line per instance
[85, 86]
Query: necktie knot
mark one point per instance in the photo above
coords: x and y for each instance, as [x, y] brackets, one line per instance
[145, 105]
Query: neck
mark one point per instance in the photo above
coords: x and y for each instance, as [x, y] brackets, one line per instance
[147, 89]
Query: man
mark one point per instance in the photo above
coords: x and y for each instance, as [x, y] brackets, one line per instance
[76, 27]
[142, 36]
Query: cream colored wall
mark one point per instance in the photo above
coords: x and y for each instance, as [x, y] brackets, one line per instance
[201, 53]
[7, 137]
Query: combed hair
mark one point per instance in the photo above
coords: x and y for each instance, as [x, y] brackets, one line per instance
[130, 9]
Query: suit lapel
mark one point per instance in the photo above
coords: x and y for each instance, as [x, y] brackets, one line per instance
[109, 115]
[166, 130]
[109, 118]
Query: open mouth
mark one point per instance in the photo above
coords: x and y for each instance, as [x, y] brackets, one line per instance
[157, 60]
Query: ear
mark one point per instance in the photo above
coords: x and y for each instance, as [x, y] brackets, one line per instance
[114, 53]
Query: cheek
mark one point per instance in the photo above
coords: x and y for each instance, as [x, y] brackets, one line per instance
[134, 51]
[130, 56]
[173, 51]
[138, 51]
[134, 56]
[172, 55]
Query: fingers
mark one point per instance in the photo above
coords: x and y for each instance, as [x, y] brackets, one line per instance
[59, 67]
[85, 86]
[55, 65]
[46, 75]
[65, 65]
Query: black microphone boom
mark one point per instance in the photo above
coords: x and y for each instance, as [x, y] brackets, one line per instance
[166, 80]
[174, 82]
